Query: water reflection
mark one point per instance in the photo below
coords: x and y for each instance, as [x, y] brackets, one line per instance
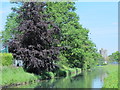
[92, 79]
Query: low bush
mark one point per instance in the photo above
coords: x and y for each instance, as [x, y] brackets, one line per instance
[49, 75]
[111, 81]
[6, 59]
[62, 73]
[72, 71]
[78, 70]
[65, 71]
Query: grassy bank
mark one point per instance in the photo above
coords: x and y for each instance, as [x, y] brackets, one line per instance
[13, 75]
[111, 81]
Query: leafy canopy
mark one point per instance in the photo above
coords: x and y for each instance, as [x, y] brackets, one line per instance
[35, 44]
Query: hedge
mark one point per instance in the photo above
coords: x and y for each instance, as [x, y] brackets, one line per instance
[6, 59]
[63, 73]
[68, 72]
[49, 75]
[78, 70]
[72, 72]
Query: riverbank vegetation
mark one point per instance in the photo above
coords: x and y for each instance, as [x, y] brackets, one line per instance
[114, 57]
[78, 49]
[111, 81]
[13, 75]
[49, 40]
[16, 75]
[6, 59]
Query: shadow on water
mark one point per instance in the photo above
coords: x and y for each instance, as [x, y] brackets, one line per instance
[92, 79]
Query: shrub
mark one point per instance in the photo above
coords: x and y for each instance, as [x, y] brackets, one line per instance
[49, 75]
[72, 71]
[62, 73]
[78, 70]
[6, 59]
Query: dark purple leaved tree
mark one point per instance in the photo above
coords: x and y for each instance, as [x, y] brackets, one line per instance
[37, 43]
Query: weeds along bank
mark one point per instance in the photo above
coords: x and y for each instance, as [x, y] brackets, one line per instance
[13, 75]
[16, 75]
[111, 81]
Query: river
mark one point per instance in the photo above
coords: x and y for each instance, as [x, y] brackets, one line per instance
[92, 79]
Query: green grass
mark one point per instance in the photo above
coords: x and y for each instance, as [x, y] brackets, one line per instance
[13, 75]
[111, 81]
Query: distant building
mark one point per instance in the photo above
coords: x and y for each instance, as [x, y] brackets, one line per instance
[103, 52]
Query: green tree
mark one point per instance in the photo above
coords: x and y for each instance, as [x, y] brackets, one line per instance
[81, 51]
[115, 56]
[10, 27]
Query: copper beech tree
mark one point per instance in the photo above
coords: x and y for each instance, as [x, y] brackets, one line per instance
[37, 43]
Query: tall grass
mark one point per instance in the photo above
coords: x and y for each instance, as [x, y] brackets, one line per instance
[13, 75]
[111, 81]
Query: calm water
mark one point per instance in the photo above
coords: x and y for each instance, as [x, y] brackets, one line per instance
[92, 79]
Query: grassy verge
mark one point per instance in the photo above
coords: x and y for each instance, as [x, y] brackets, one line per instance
[111, 81]
[16, 75]
[13, 75]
